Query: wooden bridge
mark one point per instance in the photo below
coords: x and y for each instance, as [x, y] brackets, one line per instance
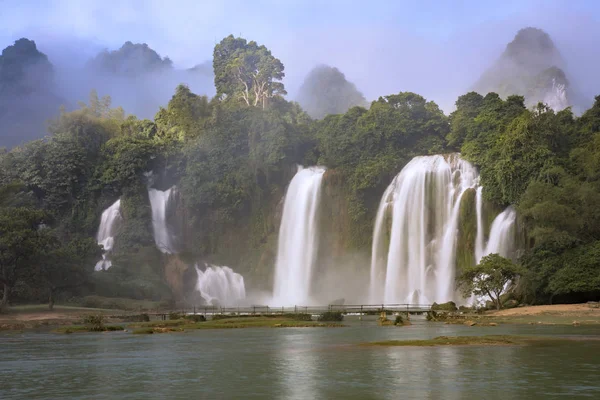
[352, 309]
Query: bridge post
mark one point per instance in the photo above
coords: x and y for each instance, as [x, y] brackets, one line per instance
[407, 313]
[295, 309]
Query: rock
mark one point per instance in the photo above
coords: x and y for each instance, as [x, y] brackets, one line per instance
[277, 325]
[575, 323]
[449, 306]
[470, 323]
[493, 324]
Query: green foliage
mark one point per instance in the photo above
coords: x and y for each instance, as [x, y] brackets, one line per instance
[331, 316]
[94, 322]
[232, 161]
[449, 306]
[195, 317]
[244, 70]
[489, 277]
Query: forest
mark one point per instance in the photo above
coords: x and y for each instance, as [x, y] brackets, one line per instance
[231, 157]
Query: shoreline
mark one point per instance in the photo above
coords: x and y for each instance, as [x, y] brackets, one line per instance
[39, 317]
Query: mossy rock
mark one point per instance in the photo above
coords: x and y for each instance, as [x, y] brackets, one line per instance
[449, 306]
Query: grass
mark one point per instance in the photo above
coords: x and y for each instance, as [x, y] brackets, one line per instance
[228, 323]
[83, 328]
[485, 340]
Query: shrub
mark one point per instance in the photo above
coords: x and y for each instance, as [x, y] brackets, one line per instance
[449, 306]
[175, 315]
[195, 317]
[94, 322]
[331, 316]
[399, 320]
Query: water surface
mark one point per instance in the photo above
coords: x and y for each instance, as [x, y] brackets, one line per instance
[297, 363]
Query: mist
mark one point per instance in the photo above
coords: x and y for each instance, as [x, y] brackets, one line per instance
[436, 50]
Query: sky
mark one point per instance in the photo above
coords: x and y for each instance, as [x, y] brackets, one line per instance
[435, 48]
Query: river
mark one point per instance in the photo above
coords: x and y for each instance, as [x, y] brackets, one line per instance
[298, 363]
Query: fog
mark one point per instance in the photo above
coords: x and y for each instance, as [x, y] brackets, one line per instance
[437, 49]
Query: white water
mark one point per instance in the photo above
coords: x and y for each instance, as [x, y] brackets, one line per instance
[298, 238]
[502, 236]
[106, 232]
[220, 285]
[556, 98]
[159, 201]
[418, 216]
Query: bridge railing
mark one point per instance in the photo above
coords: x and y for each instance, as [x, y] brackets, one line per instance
[343, 308]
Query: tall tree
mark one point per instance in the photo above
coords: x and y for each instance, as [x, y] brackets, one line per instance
[247, 71]
[489, 277]
[18, 230]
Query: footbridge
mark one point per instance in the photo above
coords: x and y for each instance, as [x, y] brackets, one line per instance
[352, 309]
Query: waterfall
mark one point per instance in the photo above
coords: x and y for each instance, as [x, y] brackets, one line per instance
[298, 238]
[502, 235]
[479, 246]
[220, 285]
[556, 98]
[159, 201]
[423, 204]
[106, 233]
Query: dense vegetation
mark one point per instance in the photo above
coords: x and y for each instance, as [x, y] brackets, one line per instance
[232, 156]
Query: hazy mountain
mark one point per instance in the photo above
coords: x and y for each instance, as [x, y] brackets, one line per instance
[530, 66]
[27, 93]
[326, 91]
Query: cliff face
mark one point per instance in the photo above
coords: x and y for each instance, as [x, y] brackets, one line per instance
[530, 66]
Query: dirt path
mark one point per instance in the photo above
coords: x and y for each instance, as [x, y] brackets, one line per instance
[557, 309]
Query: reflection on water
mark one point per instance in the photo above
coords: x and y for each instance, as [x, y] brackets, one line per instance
[296, 358]
[296, 363]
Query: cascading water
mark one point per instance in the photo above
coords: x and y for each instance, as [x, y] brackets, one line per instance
[418, 216]
[422, 203]
[298, 238]
[556, 98]
[106, 232]
[220, 285]
[159, 201]
[502, 235]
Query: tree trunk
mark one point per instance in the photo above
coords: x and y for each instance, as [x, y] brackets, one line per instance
[4, 301]
[498, 303]
[51, 300]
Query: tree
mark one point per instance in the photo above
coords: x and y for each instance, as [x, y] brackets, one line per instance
[247, 71]
[18, 230]
[489, 277]
[60, 266]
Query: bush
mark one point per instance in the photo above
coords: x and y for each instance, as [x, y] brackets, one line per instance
[331, 316]
[399, 320]
[449, 306]
[94, 322]
[195, 317]
[175, 315]
[136, 318]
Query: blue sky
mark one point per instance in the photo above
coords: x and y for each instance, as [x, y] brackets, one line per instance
[434, 47]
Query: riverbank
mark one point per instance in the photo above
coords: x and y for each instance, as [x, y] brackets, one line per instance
[558, 314]
[485, 340]
[39, 317]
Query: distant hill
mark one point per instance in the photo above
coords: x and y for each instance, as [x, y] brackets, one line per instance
[27, 93]
[530, 66]
[327, 91]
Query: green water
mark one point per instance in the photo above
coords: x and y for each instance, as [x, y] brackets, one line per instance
[297, 363]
